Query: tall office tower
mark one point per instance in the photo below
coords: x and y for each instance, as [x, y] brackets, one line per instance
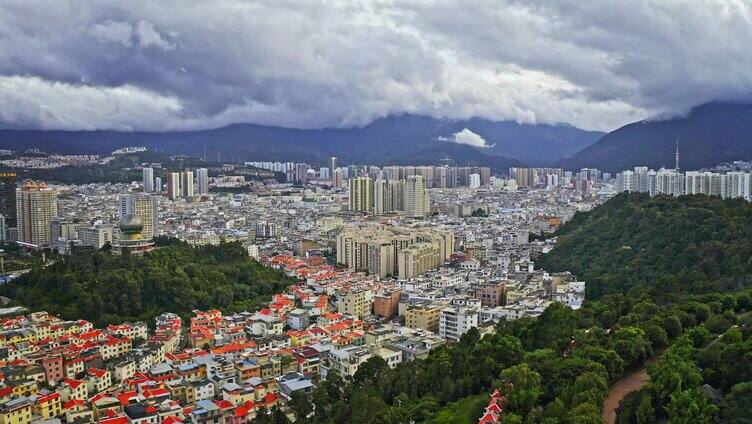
[202, 176]
[332, 165]
[36, 204]
[173, 185]
[8, 182]
[158, 185]
[382, 197]
[324, 173]
[187, 184]
[337, 178]
[474, 180]
[143, 207]
[301, 173]
[361, 194]
[148, 176]
[417, 202]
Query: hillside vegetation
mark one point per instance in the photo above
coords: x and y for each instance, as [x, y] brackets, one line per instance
[672, 246]
[108, 288]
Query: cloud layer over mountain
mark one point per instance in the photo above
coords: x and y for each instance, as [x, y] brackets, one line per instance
[182, 64]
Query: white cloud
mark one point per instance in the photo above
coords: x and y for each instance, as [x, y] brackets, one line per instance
[470, 138]
[339, 63]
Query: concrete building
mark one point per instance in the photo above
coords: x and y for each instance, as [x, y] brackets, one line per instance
[148, 180]
[173, 185]
[386, 303]
[417, 202]
[423, 316]
[96, 236]
[491, 294]
[356, 302]
[36, 204]
[361, 194]
[187, 184]
[202, 177]
[456, 321]
[474, 180]
[144, 207]
[417, 259]
[8, 186]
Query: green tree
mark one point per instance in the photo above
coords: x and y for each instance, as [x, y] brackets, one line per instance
[525, 388]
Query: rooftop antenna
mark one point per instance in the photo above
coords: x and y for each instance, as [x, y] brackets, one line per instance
[677, 154]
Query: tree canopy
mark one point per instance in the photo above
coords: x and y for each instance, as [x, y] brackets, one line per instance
[105, 287]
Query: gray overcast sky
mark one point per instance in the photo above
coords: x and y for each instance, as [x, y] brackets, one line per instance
[180, 64]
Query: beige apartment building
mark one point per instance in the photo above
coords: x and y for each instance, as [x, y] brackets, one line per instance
[36, 204]
[417, 259]
[424, 316]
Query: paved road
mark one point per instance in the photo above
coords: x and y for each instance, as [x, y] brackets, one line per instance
[619, 390]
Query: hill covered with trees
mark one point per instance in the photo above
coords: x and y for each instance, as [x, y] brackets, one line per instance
[668, 245]
[709, 134]
[108, 288]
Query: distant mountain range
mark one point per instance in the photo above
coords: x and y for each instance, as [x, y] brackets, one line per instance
[710, 134]
[403, 139]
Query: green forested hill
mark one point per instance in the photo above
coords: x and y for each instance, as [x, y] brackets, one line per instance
[107, 288]
[673, 245]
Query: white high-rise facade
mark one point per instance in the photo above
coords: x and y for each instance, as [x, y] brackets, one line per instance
[737, 185]
[202, 177]
[474, 180]
[148, 177]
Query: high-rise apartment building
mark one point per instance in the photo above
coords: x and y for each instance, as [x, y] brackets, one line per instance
[382, 197]
[417, 202]
[8, 183]
[332, 165]
[526, 177]
[415, 260]
[148, 177]
[474, 180]
[158, 185]
[187, 183]
[36, 204]
[143, 207]
[737, 185]
[173, 185]
[202, 177]
[361, 194]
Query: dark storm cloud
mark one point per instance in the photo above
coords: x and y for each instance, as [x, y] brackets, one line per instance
[196, 64]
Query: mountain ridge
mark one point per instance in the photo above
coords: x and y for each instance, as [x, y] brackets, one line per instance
[709, 134]
[402, 138]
